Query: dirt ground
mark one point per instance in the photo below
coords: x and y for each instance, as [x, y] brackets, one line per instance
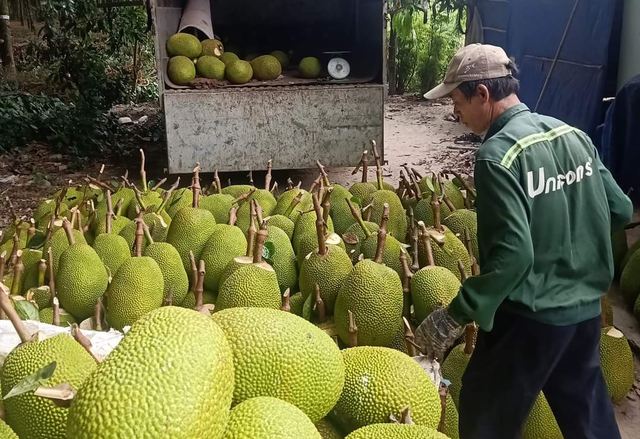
[417, 133]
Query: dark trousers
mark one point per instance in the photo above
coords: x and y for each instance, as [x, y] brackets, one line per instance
[521, 357]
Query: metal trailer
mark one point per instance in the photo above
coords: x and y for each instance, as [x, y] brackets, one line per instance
[292, 122]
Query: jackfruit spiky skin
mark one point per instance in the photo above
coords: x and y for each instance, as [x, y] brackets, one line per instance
[126, 194]
[113, 250]
[59, 243]
[397, 225]
[306, 225]
[283, 223]
[282, 57]
[42, 296]
[181, 70]
[616, 360]
[46, 208]
[135, 386]
[391, 252]
[238, 72]
[233, 265]
[254, 285]
[117, 225]
[190, 300]
[354, 250]
[6, 432]
[328, 430]
[284, 258]
[225, 243]
[446, 254]
[362, 191]
[150, 200]
[380, 382]
[453, 368]
[30, 259]
[452, 191]
[461, 219]
[452, 420]
[11, 230]
[236, 190]
[432, 287]
[136, 289]
[219, 205]
[399, 343]
[30, 279]
[309, 243]
[281, 355]
[285, 199]
[8, 246]
[541, 422]
[309, 67]
[46, 316]
[158, 225]
[329, 271]
[175, 278]
[619, 248]
[210, 67]
[630, 279]
[373, 312]
[424, 212]
[266, 68]
[31, 416]
[340, 212]
[209, 47]
[80, 280]
[228, 57]
[266, 201]
[190, 230]
[266, 417]
[180, 198]
[296, 302]
[183, 44]
[396, 431]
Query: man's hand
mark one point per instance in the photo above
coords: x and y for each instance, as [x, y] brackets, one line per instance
[437, 333]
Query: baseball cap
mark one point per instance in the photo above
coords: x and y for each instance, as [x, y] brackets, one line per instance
[471, 63]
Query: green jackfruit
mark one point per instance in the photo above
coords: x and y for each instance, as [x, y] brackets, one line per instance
[253, 285]
[225, 243]
[113, 250]
[180, 198]
[391, 253]
[541, 422]
[46, 316]
[450, 189]
[306, 225]
[363, 192]
[181, 70]
[380, 382]
[396, 431]
[297, 303]
[328, 430]
[447, 250]
[463, 219]
[238, 72]
[267, 417]
[31, 416]
[210, 67]
[281, 355]
[309, 67]
[617, 363]
[309, 244]
[59, 243]
[453, 368]
[266, 68]
[355, 236]
[190, 230]
[219, 205]
[211, 47]
[340, 212]
[136, 386]
[284, 258]
[397, 225]
[432, 287]
[329, 271]
[283, 223]
[175, 278]
[6, 432]
[228, 58]
[117, 225]
[183, 44]
[282, 58]
[236, 190]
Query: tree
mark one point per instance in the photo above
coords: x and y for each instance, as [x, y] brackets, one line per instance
[6, 48]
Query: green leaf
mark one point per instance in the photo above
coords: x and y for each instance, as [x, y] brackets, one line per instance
[33, 381]
[307, 308]
[37, 241]
[268, 250]
[26, 310]
[458, 183]
[151, 184]
[429, 182]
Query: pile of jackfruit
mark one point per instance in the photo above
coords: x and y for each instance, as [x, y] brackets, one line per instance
[190, 58]
[248, 312]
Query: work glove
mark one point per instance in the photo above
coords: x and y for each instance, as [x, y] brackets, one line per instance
[437, 333]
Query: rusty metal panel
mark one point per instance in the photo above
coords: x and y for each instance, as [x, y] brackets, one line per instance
[241, 129]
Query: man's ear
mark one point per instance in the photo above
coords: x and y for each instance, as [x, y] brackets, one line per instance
[483, 93]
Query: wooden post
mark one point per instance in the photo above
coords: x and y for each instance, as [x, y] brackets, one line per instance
[6, 47]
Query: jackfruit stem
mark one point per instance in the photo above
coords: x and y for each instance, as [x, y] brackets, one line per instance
[467, 200]
[324, 174]
[368, 210]
[119, 205]
[195, 186]
[293, 204]
[426, 241]
[358, 218]
[435, 207]
[60, 199]
[404, 183]
[251, 234]
[147, 233]
[326, 205]
[274, 189]
[443, 401]
[16, 247]
[260, 240]
[467, 187]
[143, 173]
[243, 196]
[250, 176]
[475, 269]
[233, 216]
[56, 311]
[92, 215]
[406, 284]
[322, 247]
[321, 189]
[286, 301]
[31, 232]
[194, 271]
[382, 233]
[258, 211]
[52, 278]
[3, 261]
[66, 225]
[139, 236]
[158, 184]
[267, 178]
[199, 291]
[409, 338]
[109, 213]
[42, 271]
[470, 333]
[14, 215]
[125, 180]
[416, 173]
[315, 183]
[138, 196]
[462, 270]
[289, 184]
[97, 314]
[216, 178]
[376, 156]
[353, 331]
[12, 314]
[18, 271]
[166, 196]
[448, 202]
[83, 341]
[78, 216]
[318, 306]
[364, 162]
[168, 301]
[97, 182]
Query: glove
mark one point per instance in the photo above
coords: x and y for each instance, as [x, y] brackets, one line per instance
[437, 333]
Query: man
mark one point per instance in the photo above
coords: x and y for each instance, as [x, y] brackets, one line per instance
[546, 208]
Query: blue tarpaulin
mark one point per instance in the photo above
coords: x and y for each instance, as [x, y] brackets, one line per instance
[531, 31]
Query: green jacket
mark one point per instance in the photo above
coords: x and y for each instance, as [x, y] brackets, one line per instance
[546, 208]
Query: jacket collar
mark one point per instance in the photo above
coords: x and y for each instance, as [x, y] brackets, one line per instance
[505, 117]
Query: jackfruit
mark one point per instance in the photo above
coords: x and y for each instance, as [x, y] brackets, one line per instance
[306, 225]
[281, 355]
[81, 279]
[150, 201]
[238, 72]
[175, 278]
[447, 250]
[328, 430]
[309, 67]
[253, 285]
[617, 363]
[59, 243]
[340, 211]
[181, 70]
[283, 260]
[354, 236]
[630, 279]
[219, 205]
[228, 58]
[432, 287]
[284, 203]
[397, 225]
[183, 44]
[46, 316]
[282, 58]
[42, 296]
[329, 270]
[225, 243]
[46, 209]
[450, 189]
[541, 423]
[211, 47]
[363, 191]
[297, 303]
[451, 420]
[180, 198]
[380, 382]
[283, 223]
[31, 416]
[396, 431]
[463, 219]
[266, 68]
[455, 364]
[117, 225]
[190, 230]
[113, 250]
[210, 67]
[135, 387]
[309, 243]
[236, 190]
[136, 289]
[266, 417]
[391, 253]
[6, 432]
[266, 201]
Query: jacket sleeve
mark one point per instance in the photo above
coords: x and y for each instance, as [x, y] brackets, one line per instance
[620, 206]
[506, 249]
